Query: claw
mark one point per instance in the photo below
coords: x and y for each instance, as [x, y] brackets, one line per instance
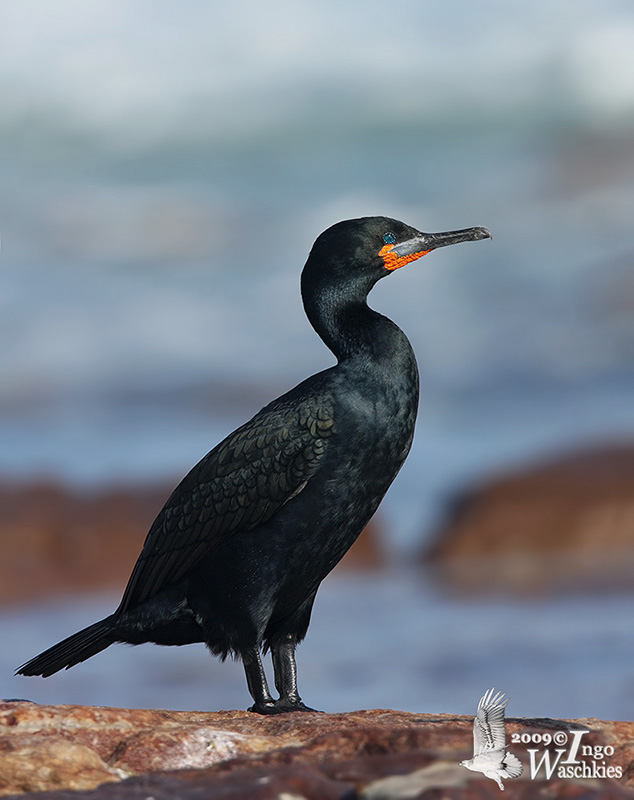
[281, 706]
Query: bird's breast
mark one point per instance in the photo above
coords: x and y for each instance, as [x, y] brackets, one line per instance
[375, 419]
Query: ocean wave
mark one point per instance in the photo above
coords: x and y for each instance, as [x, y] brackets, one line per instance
[211, 72]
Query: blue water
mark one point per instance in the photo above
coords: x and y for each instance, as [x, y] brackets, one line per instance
[163, 177]
[383, 641]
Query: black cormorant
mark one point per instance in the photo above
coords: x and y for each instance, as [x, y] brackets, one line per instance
[235, 557]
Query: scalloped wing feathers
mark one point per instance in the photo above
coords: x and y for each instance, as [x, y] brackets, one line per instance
[237, 486]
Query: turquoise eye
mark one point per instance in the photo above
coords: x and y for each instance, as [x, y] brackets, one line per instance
[389, 238]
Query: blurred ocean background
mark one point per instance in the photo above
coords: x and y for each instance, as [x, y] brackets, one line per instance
[164, 170]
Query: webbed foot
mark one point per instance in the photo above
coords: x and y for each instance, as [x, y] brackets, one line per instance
[281, 706]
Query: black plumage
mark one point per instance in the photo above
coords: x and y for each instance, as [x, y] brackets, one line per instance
[235, 557]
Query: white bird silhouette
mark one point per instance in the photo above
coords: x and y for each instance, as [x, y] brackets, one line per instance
[489, 741]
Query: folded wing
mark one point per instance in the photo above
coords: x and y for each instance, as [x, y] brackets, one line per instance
[237, 486]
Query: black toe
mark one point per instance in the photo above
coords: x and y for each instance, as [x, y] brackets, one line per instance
[281, 706]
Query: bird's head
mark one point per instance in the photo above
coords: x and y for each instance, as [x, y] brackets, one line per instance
[359, 252]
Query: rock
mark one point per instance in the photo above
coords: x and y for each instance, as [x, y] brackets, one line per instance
[112, 753]
[565, 524]
[57, 539]
[41, 765]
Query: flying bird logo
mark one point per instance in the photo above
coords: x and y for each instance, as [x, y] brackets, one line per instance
[490, 755]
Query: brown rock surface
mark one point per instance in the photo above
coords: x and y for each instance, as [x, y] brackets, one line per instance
[564, 524]
[55, 539]
[366, 754]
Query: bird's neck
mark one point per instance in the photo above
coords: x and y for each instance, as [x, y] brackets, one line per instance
[352, 330]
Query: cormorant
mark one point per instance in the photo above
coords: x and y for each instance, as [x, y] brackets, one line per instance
[235, 557]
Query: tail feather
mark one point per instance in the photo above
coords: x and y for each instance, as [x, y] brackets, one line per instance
[76, 648]
[512, 766]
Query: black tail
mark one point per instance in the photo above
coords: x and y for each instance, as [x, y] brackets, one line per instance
[71, 651]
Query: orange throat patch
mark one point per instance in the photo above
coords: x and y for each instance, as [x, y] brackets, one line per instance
[392, 261]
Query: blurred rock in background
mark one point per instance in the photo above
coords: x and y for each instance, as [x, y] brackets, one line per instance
[563, 524]
[57, 539]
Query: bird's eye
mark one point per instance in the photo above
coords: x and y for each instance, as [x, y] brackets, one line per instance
[389, 238]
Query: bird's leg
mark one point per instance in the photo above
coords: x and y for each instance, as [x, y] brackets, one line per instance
[285, 670]
[256, 681]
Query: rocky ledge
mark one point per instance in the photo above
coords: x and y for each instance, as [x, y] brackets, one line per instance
[107, 753]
